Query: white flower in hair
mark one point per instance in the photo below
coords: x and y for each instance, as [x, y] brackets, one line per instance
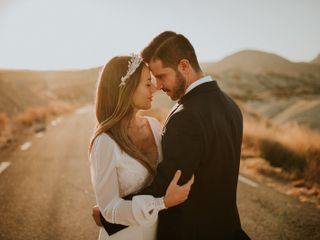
[133, 64]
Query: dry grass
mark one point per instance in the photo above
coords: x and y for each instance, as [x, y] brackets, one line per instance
[5, 130]
[31, 115]
[4, 120]
[294, 148]
[57, 108]
[41, 114]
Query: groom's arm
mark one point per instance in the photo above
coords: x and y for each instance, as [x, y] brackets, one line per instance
[183, 148]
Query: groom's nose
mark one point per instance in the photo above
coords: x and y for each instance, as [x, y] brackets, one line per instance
[159, 85]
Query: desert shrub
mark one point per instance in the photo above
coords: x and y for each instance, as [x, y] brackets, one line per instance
[312, 170]
[294, 148]
[40, 114]
[31, 115]
[281, 156]
[57, 107]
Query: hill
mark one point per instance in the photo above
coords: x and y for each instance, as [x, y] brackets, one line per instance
[316, 60]
[270, 86]
[262, 62]
[20, 89]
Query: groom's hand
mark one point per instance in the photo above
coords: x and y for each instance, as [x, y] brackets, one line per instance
[96, 215]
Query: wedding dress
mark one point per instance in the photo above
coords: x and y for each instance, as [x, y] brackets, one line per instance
[115, 174]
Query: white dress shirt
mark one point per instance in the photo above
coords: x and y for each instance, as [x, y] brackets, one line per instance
[198, 82]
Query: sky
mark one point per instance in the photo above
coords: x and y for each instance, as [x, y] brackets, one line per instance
[64, 34]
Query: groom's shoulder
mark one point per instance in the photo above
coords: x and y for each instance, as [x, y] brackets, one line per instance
[183, 116]
[183, 122]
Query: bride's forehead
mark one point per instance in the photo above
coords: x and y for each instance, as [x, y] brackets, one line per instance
[153, 79]
[145, 74]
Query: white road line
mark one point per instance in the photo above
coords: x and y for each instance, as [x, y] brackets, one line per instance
[56, 121]
[25, 146]
[3, 166]
[84, 110]
[248, 181]
[39, 135]
[53, 123]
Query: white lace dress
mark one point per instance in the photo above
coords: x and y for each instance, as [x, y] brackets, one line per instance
[115, 174]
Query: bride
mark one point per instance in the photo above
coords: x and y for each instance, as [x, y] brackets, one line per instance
[126, 149]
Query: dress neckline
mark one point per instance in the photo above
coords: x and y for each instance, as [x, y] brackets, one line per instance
[154, 134]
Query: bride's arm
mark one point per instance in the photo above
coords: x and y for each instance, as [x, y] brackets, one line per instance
[143, 209]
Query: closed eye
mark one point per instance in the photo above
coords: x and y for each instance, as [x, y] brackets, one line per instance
[160, 76]
[149, 81]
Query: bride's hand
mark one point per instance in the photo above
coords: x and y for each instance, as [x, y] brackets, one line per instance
[96, 215]
[176, 194]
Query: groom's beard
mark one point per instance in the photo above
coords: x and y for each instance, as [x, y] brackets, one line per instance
[179, 88]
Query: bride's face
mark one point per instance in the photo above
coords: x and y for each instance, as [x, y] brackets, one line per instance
[142, 97]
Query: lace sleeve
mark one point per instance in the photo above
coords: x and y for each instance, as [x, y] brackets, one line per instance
[142, 210]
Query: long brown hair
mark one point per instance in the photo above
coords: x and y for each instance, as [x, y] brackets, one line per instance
[114, 107]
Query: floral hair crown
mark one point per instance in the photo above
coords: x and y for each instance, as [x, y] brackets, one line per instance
[133, 64]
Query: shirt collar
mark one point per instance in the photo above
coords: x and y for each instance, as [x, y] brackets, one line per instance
[198, 82]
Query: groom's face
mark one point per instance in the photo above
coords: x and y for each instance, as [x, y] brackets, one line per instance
[171, 81]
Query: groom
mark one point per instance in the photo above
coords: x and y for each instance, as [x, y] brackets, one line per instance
[202, 136]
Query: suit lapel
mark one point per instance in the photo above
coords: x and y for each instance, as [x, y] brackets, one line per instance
[173, 109]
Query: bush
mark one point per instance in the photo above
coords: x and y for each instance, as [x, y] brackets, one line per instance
[41, 114]
[294, 148]
[31, 115]
[280, 156]
[57, 108]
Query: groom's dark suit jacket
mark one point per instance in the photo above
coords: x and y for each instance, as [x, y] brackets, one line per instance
[202, 136]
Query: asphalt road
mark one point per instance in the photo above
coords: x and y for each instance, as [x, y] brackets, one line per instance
[45, 191]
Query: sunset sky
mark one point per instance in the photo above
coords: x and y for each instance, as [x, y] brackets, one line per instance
[60, 34]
